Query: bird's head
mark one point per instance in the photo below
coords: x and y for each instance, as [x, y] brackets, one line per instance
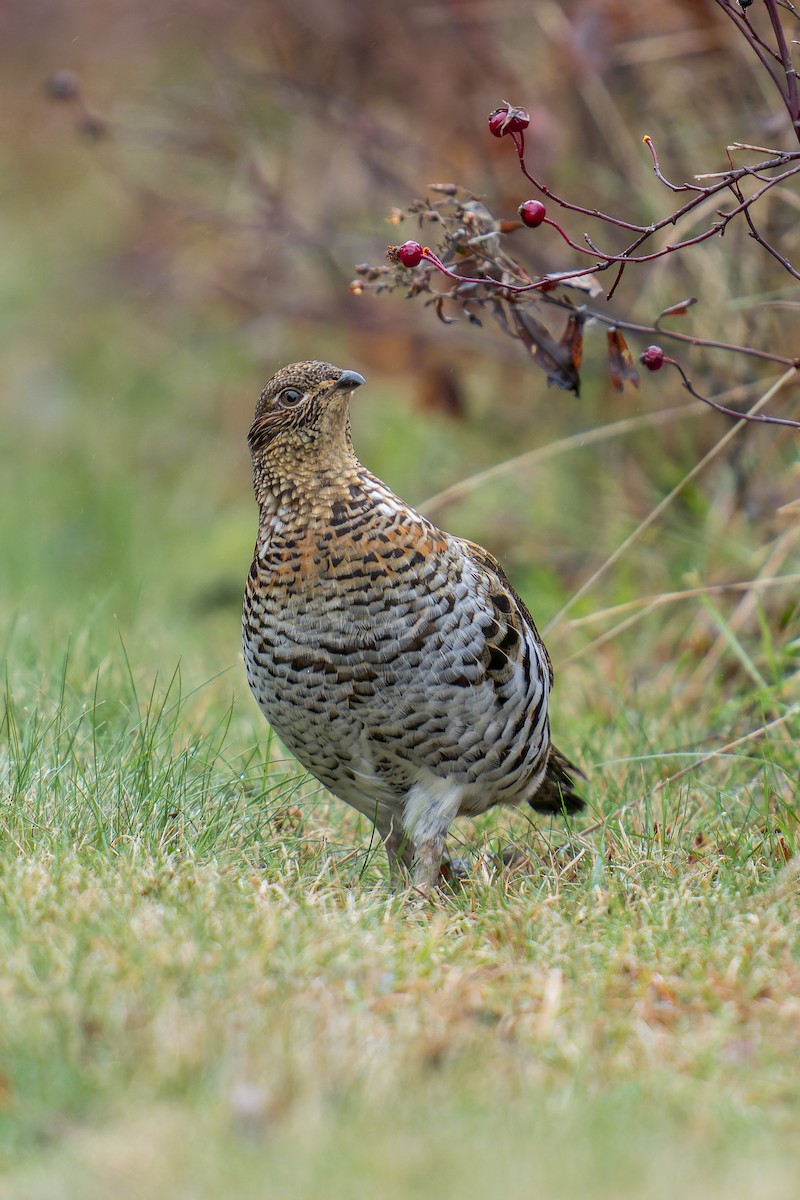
[304, 408]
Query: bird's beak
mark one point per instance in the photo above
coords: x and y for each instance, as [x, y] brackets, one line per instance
[349, 381]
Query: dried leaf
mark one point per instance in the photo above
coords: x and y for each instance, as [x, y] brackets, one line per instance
[439, 305]
[783, 850]
[581, 283]
[620, 361]
[572, 339]
[677, 310]
[561, 360]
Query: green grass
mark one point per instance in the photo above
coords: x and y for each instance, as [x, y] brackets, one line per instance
[207, 988]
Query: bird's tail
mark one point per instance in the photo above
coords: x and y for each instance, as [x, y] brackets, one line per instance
[558, 793]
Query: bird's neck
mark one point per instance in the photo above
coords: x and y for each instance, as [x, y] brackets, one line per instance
[297, 483]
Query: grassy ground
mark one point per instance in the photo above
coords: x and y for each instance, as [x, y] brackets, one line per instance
[206, 988]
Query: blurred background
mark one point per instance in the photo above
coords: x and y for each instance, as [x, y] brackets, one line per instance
[185, 190]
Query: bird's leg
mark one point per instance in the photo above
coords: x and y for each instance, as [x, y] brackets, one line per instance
[430, 807]
[399, 851]
[428, 862]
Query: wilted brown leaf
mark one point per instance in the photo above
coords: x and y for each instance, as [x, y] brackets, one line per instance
[620, 361]
[561, 360]
[677, 310]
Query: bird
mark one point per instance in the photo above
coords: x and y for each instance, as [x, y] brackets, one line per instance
[395, 661]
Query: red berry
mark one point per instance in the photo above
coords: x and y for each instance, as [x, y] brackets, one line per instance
[508, 119]
[410, 254]
[653, 358]
[532, 213]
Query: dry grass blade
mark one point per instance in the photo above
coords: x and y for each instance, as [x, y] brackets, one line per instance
[721, 751]
[628, 623]
[576, 441]
[643, 606]
[742, 613]
[663, 504]
[657, 599]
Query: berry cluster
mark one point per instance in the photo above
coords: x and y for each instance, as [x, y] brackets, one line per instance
[488, 281]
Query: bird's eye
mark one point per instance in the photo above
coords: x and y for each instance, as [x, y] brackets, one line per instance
[290, 397]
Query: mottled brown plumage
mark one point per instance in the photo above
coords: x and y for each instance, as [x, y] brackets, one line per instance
[395, 661]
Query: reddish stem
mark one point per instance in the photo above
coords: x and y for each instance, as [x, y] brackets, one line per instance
[519, 146]
[760, 418]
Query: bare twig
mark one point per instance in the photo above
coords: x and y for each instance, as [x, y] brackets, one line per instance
[762, 418]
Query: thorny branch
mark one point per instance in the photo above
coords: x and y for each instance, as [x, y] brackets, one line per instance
[486, 280]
